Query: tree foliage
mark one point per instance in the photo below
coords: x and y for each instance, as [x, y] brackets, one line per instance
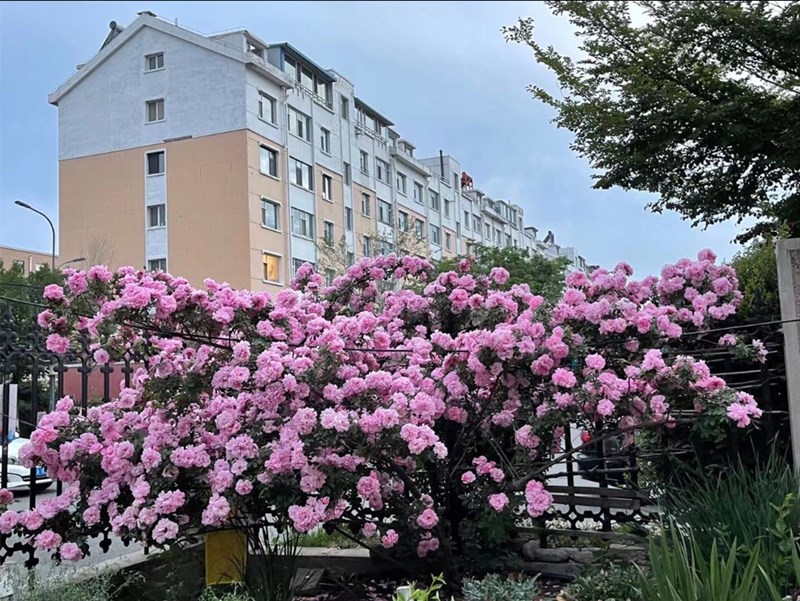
[757, 269]
[542, 275]
[696, 102]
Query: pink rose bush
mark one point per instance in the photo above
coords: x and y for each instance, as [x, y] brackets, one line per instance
[376, 403]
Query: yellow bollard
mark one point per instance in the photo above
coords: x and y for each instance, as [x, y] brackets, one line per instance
[226, 557]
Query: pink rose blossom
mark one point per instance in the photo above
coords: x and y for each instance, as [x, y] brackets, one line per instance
[498, 501]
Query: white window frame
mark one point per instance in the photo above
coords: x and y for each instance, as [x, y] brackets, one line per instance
[366, 246]
[263, 98]
[419, 193]
[383, 171]
[307, 174]
[270, 153]
[303, 218]
[325, 140]
[436, 235]
[385, 212]
[328, 227]
[296, 117]
[448, 241]
[150, 266]
[419, 229]
[435, 201]
[366, 205]
[147, 163]
[155, 102]
[327, 187]
[276, 208]
[154, 55]
[348, 219]
[265, 275]
[161, 216]
[364, 162]
[402, 183]
[403, 222]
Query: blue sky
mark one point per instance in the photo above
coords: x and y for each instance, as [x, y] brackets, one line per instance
[440, 70]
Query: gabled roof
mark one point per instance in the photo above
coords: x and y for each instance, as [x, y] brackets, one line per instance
[147, 19]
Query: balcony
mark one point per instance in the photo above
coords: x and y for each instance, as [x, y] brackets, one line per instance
[405, 157]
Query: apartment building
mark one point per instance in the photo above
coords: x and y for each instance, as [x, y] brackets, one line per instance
[27, 261]
[223, 156]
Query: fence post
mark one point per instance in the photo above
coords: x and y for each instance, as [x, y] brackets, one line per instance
[788, 259]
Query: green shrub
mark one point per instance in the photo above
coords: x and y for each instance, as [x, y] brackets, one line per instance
[414, 593]
[222, 593]
[681, 570]
[496, 588]
[740, 510]
[100, 587]
[606, 582]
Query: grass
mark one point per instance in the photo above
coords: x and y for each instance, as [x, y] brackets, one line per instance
[320, 538]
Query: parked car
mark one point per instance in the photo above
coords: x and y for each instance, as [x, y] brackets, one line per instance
[591, 463]
[19, 476]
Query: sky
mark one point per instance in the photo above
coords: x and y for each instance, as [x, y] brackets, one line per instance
[441, 71]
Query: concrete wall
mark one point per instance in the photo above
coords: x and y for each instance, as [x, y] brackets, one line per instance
[203, 93]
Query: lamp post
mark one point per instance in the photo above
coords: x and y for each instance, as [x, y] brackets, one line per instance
[25, 205]
[71, 261]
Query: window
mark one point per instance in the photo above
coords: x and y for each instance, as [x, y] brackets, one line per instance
[366, 246]
[476, 224]
[327, 187]
[155, 110]
[466, 220]
[497, 235]
[327, 232]
[302, 223]
[419, 193]
[297, 264]
[382, 171]
[456, 181]
[448, 240]
[254, 49]
[154, 62]
[348, 219]
[157, 265]
[385, 212]
[267, 108]
[344, 108]
[436, 204]
[351, 258]
[156, 162]
[299, 124]
[419, 229]
[302, 174]
[348, 178]
[330, 275]
[157, 216]
[402, 182]
[447, 207]
[324, 140]
[268, 161]
[270, 214]
[366, 205]
[306, 79]
[435, 235]
[488, 230]
[272, 267]
[508, 239]
[323, 90]
[364, 162]
[290, 67]
[402, 221]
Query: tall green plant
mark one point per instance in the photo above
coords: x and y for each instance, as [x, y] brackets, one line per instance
[681, 570]
[270, 568]
[740, 510]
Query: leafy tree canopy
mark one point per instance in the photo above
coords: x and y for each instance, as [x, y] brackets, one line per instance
[757, 269]
[544, 276]
[694, 101]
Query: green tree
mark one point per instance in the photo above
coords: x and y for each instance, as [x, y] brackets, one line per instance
[757, 269]
[544, 276]
[694, 101]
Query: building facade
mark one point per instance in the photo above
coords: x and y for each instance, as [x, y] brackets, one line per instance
[27, 261]
[222, 156]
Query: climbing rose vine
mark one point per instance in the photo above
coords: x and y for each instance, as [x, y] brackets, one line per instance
[410, 408]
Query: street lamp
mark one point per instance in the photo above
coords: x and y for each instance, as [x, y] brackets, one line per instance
[25, 205]
[71, 261]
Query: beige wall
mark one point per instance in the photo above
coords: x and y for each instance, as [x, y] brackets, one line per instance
[362, 223]
[453, 244]
[102, 207]
[30, 259]
[262, 239]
